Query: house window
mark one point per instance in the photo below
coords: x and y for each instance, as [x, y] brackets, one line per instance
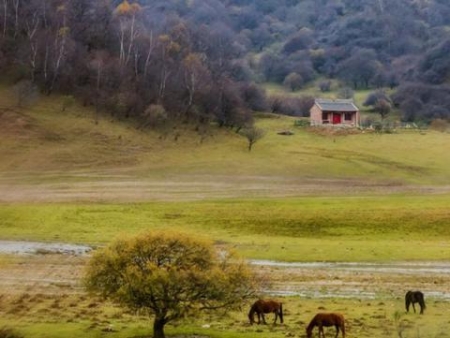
[348, 116]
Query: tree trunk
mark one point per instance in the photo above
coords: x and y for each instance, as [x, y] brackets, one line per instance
[250, 145]
[158, 328]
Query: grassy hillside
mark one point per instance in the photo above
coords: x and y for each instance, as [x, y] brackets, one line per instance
[313, 196]
[292, 192]
[42, 141]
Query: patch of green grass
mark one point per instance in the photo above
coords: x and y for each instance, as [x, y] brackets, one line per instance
[371, 228]
[375, 318]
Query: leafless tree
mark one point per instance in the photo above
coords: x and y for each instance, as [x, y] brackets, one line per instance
[253, 135]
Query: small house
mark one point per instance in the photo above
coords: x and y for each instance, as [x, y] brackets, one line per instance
[335, 112]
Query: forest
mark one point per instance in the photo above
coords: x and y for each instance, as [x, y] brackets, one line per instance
[201, 61]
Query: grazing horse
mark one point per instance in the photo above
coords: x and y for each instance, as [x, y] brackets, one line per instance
[413, 297]
[326, 319]
[261, 306]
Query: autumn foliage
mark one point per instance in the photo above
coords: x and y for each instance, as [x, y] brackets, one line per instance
[169, 276]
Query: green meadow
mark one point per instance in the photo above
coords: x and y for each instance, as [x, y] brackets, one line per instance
[370, 228]
[65, 316]
[316, 195]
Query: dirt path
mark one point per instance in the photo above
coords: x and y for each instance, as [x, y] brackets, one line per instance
[183, 187]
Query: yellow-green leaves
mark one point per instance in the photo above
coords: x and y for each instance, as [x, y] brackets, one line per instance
[169, 275]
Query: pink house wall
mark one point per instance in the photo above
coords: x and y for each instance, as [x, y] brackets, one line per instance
[316, 117]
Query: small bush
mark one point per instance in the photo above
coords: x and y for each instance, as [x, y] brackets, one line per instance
[383, 127]
[440, 125]
[155, 115]
[302, 123]
[325, 86]
[6, 332]
[67, 102]
[292, 106]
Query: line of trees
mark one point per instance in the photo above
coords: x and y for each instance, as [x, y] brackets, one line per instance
[197, 60]
[134, 60]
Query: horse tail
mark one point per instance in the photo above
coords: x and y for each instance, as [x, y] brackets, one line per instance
[423, 302]
[281, 313]
[251, 314]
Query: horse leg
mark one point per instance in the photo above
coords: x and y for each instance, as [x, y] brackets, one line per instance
[276, 316]
[321, 333]
[414, 308]
[421, 308]
[337, 331]
[263, 318]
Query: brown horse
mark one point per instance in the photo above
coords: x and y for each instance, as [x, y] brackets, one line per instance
[261, 306]
[326, 319]
[413, 297]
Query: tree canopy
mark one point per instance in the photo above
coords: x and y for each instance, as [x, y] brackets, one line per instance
[191, 57]
[169, 276]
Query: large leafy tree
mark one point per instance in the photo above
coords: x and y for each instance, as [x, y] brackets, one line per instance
[169, 276]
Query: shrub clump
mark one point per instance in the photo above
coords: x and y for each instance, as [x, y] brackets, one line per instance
[6, 332]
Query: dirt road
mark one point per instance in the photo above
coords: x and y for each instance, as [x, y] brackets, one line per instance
[192, 187]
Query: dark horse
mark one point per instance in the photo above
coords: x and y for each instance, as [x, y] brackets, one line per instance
[413, 297]
[326, 319]
[261, 306]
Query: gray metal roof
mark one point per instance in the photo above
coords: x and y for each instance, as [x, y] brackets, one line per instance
[336, 105]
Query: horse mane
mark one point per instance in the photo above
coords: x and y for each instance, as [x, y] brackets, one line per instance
[251, 313]
[311, 324]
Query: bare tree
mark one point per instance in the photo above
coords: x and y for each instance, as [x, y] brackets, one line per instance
[253, 135]
[25, 92]
[382, 107]
[5, 17]
[31, 28]
[195, 76]
[59, 44]
[126, 14]
[168, 50]
[16, 4]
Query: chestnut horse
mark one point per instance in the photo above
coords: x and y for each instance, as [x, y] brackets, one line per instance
[261, 306]
[412, 297]
[326, 319]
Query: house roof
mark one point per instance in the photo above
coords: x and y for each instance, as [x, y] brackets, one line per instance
[336, 105]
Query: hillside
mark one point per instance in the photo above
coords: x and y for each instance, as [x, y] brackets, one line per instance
[210, 60]
[70, 156]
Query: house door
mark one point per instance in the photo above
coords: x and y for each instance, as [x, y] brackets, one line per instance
[336, 118]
